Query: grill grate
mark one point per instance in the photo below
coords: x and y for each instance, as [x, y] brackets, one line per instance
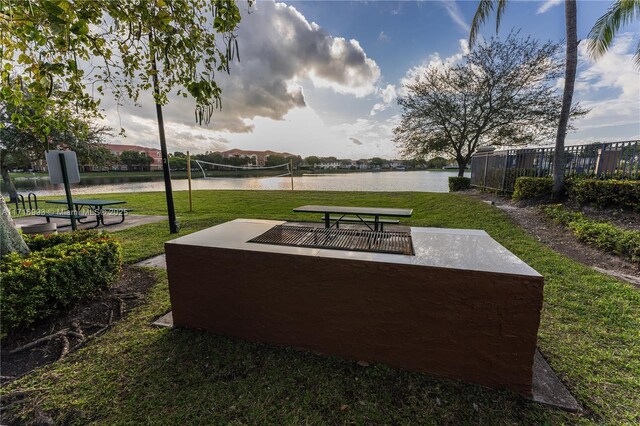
[338, 239]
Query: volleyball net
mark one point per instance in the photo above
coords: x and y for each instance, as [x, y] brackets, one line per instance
[286, 168]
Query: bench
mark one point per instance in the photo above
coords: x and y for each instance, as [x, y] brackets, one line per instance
[349, 219]
[49, 216]
[60, 216]
[347, 215]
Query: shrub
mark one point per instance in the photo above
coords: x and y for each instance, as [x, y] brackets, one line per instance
[603, 235]
[605, 193]
[37, 242]
[60, 270]
[457, 183]
[527, 188]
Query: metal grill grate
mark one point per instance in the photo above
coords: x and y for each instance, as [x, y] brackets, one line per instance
[338, 239]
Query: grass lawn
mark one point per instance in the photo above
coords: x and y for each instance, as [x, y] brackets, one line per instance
[137, 374]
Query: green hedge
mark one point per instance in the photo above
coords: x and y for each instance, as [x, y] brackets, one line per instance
[605, 193]
[457, 183]
[60, 270]
[603, 235]
[37, 242]
[527, 188]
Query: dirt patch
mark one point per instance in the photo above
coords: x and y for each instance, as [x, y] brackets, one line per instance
[562, 240]
[620, 218]
[48, 341]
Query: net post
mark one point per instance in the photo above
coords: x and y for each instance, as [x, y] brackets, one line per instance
[291, 172]
[189, 179]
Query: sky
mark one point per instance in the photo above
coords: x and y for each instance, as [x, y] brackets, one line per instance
[322, 77]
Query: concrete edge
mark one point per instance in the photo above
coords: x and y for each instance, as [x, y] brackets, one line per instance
[165, 321]
[548, 389]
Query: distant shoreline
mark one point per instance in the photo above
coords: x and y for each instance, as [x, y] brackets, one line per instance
[182, 174]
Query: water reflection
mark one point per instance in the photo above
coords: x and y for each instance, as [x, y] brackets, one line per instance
[424, 181]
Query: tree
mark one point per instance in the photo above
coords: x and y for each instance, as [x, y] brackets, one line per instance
[95, 154]
[502, 93]
[276, 160]
[135, 159]
[178, 163]
[437, 162]
[10, 238]
[571, 63]
[377, 162]
[313, 160]
[130, 46]
[603, 32]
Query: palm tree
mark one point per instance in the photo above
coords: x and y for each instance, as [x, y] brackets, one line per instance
[485, 8]
[606, 27]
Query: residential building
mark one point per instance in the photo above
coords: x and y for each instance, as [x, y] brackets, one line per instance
[153, 153]
[328, 165]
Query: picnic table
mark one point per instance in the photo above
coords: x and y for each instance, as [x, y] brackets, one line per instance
[95, 205]
[356, 214]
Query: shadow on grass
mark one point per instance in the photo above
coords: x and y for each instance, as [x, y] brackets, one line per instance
[194, 376]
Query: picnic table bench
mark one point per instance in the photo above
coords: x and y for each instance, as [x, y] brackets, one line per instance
[95, 205]
[356, 215]
[50, 216]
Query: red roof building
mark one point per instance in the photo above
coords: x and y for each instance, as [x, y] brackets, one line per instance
[154, 154]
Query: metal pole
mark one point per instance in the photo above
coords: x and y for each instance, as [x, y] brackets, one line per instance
[189, 179]
[67, 190]
[291, 172]
[484, 177]
[599, 160]
[173, 222]
[504, 173]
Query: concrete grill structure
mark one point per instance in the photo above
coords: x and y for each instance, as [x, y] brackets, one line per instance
[463, 307]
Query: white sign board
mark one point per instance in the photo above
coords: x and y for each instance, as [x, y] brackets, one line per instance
[55, 169]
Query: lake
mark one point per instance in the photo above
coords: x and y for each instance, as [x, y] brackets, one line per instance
[422, 180]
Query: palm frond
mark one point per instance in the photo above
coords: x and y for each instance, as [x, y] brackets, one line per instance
[485, 7]
[502, 5]
[601, 35]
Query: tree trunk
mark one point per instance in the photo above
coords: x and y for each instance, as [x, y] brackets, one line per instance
[559, 160]
[461, 168]
[10, 238]
[173, 222]
[11, 189]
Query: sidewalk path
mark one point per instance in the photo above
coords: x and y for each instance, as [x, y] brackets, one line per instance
[130, 221]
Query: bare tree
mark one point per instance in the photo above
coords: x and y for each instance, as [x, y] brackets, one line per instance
[502, 93]
[485, 8]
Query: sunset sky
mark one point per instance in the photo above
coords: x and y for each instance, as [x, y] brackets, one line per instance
[322, 77]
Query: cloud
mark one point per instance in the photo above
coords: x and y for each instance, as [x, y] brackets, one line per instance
[143, 131]
[282, 48]
[455, 13]
[610, 87]
[433, 61]
[388, 95]
[383, 37]
[279, 50]
[376, 133]
[304, 132]
[548, 4]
